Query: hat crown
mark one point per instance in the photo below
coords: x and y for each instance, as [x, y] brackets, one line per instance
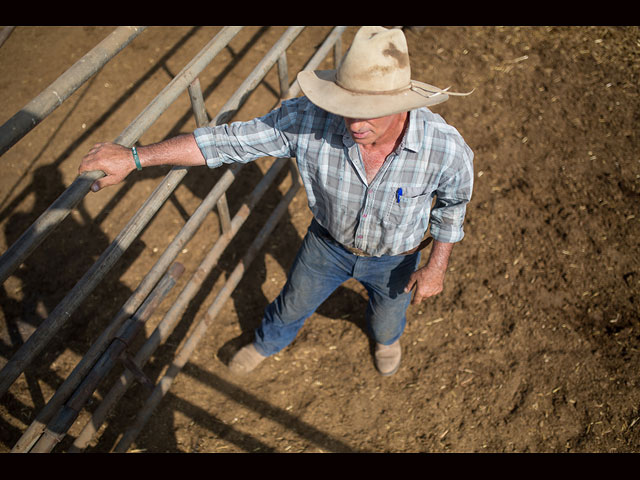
[377, 61]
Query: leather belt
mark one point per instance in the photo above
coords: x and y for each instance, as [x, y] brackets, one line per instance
[356, 251]
[361, 253]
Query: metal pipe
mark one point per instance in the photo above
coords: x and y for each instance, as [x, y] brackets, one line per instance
[52, 97]
[283, 75]
[197, 104]
[189, 346]
[58, 427]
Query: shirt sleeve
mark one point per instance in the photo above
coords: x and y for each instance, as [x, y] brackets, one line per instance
[452, 195]
[243, 142]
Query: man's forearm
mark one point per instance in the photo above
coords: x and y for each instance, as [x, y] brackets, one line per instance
[177, 151]
[117, 161]
[439, 256]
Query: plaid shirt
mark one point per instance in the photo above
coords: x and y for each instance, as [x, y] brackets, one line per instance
[390, 215]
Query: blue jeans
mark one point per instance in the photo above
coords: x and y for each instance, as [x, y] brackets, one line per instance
[320, 267]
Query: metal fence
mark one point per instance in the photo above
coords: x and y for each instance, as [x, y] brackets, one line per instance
[62, 409]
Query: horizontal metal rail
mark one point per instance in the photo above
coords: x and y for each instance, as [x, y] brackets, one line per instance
[55, 94]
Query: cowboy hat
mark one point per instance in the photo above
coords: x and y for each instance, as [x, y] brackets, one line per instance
[373, 80]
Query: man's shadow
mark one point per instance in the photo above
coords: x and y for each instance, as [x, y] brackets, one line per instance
[49, 273]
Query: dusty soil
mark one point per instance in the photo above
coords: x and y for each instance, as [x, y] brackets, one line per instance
[533, 346]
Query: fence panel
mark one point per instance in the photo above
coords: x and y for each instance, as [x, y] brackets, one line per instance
[54, 419]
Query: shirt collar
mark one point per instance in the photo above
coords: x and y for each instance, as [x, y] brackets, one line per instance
[412, 138]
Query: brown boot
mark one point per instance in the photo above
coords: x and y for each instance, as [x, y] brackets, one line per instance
[387, 358]
[245, 360]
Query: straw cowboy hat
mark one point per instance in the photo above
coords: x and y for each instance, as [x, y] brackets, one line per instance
[373, 80]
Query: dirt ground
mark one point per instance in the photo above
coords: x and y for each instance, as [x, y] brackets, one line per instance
[533, 346]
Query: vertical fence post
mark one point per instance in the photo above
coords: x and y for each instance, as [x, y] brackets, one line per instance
[202, 120]
[283, 75]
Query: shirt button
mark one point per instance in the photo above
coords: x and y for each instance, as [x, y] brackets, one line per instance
[364, 215]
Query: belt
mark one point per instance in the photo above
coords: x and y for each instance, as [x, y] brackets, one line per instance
[356, 251]
[321, 231]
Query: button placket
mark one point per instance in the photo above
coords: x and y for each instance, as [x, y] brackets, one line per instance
[362, 223]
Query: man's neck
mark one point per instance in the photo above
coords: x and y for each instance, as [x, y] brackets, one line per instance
[375, 154]
[391, 138]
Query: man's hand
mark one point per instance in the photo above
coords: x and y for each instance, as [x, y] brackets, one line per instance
[429, 280]
[117, 161]
[114, 160]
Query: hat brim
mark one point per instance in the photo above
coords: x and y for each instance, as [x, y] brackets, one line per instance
[320, 88]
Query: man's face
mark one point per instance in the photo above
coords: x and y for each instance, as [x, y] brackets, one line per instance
[375, 130]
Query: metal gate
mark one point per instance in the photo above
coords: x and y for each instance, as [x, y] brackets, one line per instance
[112, 346]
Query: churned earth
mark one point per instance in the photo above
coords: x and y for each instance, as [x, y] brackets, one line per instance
[533, 346]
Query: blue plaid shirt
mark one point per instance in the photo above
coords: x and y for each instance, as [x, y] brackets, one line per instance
[388, 216]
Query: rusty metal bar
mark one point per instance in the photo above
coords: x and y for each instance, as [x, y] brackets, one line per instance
[66, 84]
[57, 428]
[189, 346]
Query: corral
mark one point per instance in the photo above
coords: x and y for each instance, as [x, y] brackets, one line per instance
[533, 345]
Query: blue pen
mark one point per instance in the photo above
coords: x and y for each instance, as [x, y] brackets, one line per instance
[398, 194]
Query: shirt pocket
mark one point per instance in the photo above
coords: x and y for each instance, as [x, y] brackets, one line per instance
[408, 208]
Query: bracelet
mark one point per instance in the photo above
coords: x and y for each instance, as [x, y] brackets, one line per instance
[136, 158]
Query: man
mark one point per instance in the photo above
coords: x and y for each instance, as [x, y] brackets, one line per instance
[371, 159]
